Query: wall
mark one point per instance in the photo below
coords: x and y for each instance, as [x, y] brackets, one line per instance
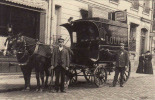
[67, 9]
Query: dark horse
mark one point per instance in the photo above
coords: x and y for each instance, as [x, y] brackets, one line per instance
[32, 54]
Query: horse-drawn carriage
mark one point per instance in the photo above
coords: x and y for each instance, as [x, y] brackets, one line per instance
[89, 40]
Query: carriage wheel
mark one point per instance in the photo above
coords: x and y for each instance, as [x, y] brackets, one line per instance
[73, 76]
[100, 76]
[87, 74]
[126, 74]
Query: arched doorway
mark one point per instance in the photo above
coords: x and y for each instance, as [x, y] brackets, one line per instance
[143, 40]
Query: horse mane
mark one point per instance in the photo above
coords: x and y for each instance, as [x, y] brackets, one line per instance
[28, 40]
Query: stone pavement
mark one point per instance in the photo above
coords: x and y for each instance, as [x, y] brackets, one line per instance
[15, 81]
[138, 87]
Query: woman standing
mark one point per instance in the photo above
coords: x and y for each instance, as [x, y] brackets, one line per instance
[140, 68]
[148, 64]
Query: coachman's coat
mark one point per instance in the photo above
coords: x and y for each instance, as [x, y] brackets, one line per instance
[122, 58]
[60, 60]
[64, 57]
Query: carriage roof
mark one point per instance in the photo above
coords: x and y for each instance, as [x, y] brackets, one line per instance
[100, 26]
[98, 21]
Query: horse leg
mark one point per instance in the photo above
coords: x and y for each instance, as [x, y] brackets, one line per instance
[23, 69]
[47, 75]
[28, 79]
[42, 80]
[38, 81]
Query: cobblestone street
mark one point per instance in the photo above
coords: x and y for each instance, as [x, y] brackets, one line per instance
[136, 88]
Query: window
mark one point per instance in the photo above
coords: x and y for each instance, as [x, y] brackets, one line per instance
[135, 4]
[132, 38]
[144, 32]
[22, 20]
[146, 5]
[4, 19]
[153, 26]
[74, 36]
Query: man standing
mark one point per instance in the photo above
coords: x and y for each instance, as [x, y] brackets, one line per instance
[9, 40]
[122, 61]
[60, 63]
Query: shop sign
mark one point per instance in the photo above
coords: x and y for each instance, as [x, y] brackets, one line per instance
[121, 16]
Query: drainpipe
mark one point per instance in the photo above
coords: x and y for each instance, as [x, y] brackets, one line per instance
[49, 22]
[151, 28]
[52, 21]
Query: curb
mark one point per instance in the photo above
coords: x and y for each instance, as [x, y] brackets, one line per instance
[10, 90]
[14, 76]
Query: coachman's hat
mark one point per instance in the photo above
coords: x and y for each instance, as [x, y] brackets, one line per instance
[9, 26]
[147, 51]
[122, 44]
[60, 39]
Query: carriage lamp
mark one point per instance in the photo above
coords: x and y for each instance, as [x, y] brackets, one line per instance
[102, 39]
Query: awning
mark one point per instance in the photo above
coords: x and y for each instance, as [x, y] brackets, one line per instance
[41, 4]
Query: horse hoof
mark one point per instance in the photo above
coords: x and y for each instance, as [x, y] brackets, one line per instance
[26, 89]
[46, 86]
[37, 90]
[41, 90]
[23, 90]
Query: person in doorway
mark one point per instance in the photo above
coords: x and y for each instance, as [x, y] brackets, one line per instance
[60, 63]
[148, 64]
[8, 41]
[141, 64]
[122, 61]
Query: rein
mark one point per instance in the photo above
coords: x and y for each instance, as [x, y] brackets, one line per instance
[26, 51]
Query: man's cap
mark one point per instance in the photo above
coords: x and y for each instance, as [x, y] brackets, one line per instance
[9, 26]
[121, 44]
[60, 39]
[147, 51]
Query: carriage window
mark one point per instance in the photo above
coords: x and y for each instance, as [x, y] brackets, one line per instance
[86, 33]
[74, 37]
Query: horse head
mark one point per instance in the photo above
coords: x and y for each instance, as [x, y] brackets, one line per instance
[17, 46]
[10, 45]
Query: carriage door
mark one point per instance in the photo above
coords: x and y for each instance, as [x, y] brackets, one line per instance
[142, 41]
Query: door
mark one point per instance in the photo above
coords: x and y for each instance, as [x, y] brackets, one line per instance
[143, 41]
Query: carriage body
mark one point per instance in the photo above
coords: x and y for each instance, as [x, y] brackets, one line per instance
[91, 37]
[89, 40]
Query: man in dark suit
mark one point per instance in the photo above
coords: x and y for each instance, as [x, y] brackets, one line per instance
[122, 61]
[60, 63]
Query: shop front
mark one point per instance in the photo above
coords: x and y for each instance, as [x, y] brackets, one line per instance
[26, 17]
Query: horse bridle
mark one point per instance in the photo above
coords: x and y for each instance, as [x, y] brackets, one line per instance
[25, 50]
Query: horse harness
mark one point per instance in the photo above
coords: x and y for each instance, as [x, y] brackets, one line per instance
[26, 51]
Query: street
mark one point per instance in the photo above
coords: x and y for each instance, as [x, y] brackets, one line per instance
[141, 87]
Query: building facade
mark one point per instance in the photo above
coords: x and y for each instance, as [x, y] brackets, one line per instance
[139, 16]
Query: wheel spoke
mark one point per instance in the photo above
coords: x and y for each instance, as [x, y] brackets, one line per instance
[87, 74]
[73, 76]
[100, 76]
[125, 74]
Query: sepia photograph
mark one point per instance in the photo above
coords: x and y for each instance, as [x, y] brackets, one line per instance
[77, 49]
